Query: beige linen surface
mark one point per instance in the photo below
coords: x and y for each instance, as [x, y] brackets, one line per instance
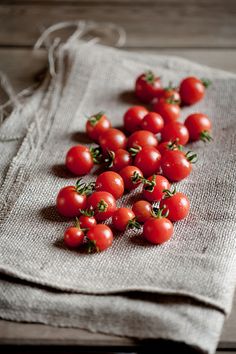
[197, 263]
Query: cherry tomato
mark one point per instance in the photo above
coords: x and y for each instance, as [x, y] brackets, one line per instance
[86, 221]
[132, 177]
[168, 109]
[111, 182]
[116, 160]
[168, 145]
[142, 138]
[133, 117]
[73, 237]
[153, 188]
[171, 93]
[96, 125]
[79, 160]
[124, 218]
[158, 230]
[148, 160]
[147, 87]
[175, 131]
[112, 139]
[142, 210]
[176, 204]
[199, 126]
[100, 237]
[72, 199]
[176, 165]
[192, 90]
[152, 122]
[103, 204]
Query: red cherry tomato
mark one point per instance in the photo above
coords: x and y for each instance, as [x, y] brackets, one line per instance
[175, 131]
[142, 138]
[72, 199]
[123, 218]
[118, 159]
[192, 90]
[73, 237]
[147, 87]
[133, 117]
[79, 160]
[132, 177]
[86, 222]
[199, 126]
[171, 93]
[158, 230]
[168, 109]
[111, 182]
[152, 122]
[176, 204]
[96, 125]
[168, 145]
[100, 237]
[176, 165]
[153, 188]
[103, 204]
[148, 160]
[112, 139]
[142, 210]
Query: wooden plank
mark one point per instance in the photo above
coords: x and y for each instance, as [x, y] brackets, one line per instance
[156, 24]
[23, 65]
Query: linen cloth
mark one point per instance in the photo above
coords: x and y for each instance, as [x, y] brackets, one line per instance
[197, 265]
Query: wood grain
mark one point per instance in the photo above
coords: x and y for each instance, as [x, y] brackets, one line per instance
[183, 24]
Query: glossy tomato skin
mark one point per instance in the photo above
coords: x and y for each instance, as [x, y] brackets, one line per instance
[147, 87]
[96, 125]
[175, 166]
[191, 90]
[100, 236]
[142, 210]
[133, 118]
[177, 205]
[79, 160]
[111, 182]
[148, 160]
[170, 112]
[103, 204]
[121, 218]
[160, 183]
[69, 202]
[197, 124]
[157, 230]
[73, 237]
[175, 131]
[119, 159]
[142, 138]
[86, 222]
[152, 122]
[112, 139]
[127, 173]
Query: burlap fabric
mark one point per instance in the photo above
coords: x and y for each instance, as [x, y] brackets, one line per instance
[195, 270]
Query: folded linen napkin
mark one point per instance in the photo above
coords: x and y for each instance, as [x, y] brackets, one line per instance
[196, 265]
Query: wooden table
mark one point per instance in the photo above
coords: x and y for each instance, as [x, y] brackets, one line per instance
[201, 30]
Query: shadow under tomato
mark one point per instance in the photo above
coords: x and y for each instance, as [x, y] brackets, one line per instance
[50, 213]
[83, 249]
[129, 97]
[60, 170]
[80, 138]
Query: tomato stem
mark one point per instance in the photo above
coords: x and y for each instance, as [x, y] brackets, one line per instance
[133, 224]
[150, 77]
[168, 193]
[206, 82]
[109, 160]
[135, 150]
[191, 157]
[136, 177]
[102, 206]
[158, 213]
[96, 153]
[87, 212]
[95, 118]
[205, 136]
[84, 188]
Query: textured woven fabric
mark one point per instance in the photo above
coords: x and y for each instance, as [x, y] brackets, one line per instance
[199, 261]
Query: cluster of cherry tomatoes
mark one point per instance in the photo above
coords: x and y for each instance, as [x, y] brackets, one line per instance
[150, 153]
